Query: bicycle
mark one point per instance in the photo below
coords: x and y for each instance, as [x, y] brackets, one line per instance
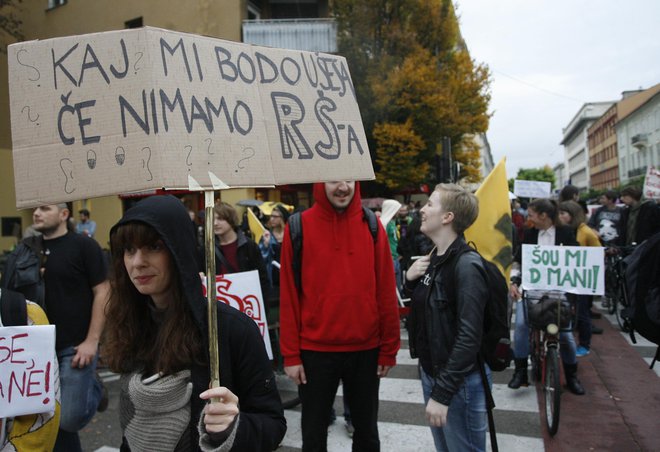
[615, 284]
[546, 317]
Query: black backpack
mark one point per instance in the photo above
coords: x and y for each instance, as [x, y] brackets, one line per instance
[295, 233]
[643, 290]
[495, 340]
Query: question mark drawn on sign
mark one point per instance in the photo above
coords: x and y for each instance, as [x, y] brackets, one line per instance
[68, 175]
[28, 65]
[208, 148]
[120, 155]
[251, 152]
[91, 159]
[145, 164]
[188, 162]
[135, 68]
[28, 114]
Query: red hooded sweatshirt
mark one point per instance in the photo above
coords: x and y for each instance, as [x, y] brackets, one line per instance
[348, 298]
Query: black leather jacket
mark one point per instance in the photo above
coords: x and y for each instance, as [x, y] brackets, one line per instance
[453, 326]
[22, 270]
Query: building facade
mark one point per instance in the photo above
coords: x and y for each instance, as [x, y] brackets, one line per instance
[638, 138]
[603, 155]
[575, 142]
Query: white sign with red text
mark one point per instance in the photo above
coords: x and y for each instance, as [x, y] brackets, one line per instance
[652, 183]
[28, 369]
[243, 292]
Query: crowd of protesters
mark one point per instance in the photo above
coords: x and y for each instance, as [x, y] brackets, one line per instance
[335, 292]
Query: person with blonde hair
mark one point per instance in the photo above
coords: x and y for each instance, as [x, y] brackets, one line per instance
[445, 325]
[572, 215]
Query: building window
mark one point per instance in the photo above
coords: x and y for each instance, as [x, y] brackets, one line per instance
[253, 12]
[55, 3]
[134, 23]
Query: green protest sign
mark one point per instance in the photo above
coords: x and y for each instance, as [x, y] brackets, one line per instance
[574, 269]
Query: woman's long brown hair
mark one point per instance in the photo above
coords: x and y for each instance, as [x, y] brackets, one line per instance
[133, 340]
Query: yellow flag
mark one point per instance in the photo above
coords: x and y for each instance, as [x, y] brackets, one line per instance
[491, 232]
[255, 226]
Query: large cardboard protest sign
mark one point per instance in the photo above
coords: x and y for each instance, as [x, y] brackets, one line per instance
[28, 369]
[242, 291]
[652, 183]
[531, 188]
[573, 269]
[139, 109]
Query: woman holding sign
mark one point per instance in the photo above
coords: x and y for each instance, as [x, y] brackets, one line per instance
[156, 336]
[543, 215]
[572, 215]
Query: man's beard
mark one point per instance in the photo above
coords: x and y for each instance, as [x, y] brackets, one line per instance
[46, 230]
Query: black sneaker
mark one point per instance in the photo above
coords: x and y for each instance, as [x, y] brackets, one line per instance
[596, 330]
[103, 403]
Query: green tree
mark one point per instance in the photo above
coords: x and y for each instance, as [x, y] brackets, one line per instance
[399, 145]
[10, 23]
[410, 67]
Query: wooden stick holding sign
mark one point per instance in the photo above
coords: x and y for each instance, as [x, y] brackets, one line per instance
[209, 245]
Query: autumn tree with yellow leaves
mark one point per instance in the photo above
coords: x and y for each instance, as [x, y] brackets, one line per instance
[415, 83]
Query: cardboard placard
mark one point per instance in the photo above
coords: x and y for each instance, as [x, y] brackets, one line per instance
[531, 188]
[652, 183]
[142, 109]
[573, 269]
[28, 369]
[242, 291]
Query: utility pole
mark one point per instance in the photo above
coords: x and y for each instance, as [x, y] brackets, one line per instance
[443, 161]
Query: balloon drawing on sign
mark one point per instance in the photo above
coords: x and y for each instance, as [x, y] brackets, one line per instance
[29, 116]
[68, 175]
[188, 161]
[249, 151]
[37, 76]
[145, 164]
[135, 68]
[120, 155]
[91, 159]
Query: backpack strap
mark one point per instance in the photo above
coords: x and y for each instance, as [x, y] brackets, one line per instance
[13, 309]
[370, 217]
[295, 233]
[490, 405]
[223, 260]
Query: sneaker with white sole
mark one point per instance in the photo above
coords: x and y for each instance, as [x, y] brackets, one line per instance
[582, 351]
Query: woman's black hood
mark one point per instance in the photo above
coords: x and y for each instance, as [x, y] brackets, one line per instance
[168, 216]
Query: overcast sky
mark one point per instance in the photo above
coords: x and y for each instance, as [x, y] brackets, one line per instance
[548, 57]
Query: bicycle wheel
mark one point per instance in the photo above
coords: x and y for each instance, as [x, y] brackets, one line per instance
[288, 390]
[535, 353]
[552, 390]
[619, 305]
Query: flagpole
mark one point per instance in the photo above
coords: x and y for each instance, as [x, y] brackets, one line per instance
[209, 245]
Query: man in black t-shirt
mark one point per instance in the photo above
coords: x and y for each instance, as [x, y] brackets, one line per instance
[75, 276]
[606, 221]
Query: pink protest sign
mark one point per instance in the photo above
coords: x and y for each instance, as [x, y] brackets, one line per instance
[27, 370]
[242, 291]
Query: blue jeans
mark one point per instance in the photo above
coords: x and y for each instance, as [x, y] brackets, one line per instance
[80, 397]
[567, 347]
[467, 417]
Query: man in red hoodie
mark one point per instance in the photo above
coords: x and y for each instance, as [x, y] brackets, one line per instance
[343, 323]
